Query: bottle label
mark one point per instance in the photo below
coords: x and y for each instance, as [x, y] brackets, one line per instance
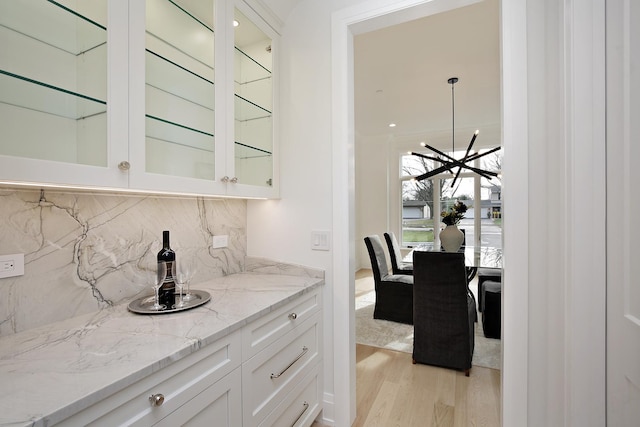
[169, 278]
[167, 292]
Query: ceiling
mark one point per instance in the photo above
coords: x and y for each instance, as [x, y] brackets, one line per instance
[401, 75]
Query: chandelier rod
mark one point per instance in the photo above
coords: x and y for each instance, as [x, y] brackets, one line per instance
[452, 81]
[448, 162]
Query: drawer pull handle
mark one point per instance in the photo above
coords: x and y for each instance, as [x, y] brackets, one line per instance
[306, 406]
[293, 316]
[304, 351]
[156, 399]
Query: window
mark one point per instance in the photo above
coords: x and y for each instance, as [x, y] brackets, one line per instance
[422, 201]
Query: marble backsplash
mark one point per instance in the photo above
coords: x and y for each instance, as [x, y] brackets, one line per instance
[84, 252]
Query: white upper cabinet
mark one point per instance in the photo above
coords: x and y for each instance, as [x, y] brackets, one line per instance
[58, 123]
[155, 95]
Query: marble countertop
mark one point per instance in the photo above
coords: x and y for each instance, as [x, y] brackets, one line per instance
[51, 372]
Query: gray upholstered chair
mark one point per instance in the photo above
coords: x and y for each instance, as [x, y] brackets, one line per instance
[485, 274]
[491, 308]
[443, 311]
[394, 292]
[397, 265]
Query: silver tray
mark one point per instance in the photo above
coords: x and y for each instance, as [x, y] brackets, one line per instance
[144, 305]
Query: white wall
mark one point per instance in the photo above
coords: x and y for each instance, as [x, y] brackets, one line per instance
[372, 193]
[281, 229]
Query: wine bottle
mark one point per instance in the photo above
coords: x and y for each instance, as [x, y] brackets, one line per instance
[167, 291]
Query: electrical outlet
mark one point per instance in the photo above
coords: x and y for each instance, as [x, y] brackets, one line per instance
[11, 265]
[220, 242]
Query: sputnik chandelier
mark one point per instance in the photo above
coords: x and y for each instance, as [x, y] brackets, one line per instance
[449, 163]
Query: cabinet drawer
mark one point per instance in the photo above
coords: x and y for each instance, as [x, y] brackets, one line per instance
[301, 406]
[178, 383]
[271, 374]
[220, 404]
[261, 333]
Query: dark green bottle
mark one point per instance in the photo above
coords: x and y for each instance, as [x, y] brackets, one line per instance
[167, 292]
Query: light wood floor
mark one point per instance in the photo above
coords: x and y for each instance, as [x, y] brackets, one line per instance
[393, 392]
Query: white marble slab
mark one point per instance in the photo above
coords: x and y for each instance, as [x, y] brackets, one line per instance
[86, 252]
[51, 372]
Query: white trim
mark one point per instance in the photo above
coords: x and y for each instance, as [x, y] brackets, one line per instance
[585, 319]
[515, 233]
[343, 190]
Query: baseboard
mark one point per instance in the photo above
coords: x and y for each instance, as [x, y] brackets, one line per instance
[327, 417]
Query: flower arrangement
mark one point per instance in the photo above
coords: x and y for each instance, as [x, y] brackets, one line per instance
[455, 214]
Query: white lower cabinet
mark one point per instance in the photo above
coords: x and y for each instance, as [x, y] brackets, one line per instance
[269, 376]
[281, 369]
[266, 374]
[301, 406]
[203, 384]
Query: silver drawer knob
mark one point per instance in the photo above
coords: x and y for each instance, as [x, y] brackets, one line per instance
[233, 180]
[124, 165]
[156, 399]
[293, 316]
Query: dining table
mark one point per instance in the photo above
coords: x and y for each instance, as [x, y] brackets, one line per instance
[474, 256]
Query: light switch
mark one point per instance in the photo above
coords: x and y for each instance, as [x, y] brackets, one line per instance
[320, 240]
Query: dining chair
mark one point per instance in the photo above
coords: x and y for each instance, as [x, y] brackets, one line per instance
[443, 311]
[484, 275]
[394, 292]
[397, 265]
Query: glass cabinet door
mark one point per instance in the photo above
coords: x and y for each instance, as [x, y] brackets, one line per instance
[53, 81]
[253, 103]
[179, 88]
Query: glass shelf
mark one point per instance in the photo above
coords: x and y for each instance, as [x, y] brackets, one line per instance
[178, 134]
[256, 70]
[253, 103]
[253, 89]
[246, 110]
[55, 24]
[244, 151]
[181, 30]
[54, 57]
[26, 93]
[179, 150]
[181, 82]
[180, 89]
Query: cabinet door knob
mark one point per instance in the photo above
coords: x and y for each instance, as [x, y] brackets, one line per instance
[234, 180]
[224, 179]
[156, 399]
[124, 165]
[293, 316]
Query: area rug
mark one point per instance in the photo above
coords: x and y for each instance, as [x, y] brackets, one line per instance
[399, 337]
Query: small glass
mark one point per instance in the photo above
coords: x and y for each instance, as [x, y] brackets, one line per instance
[188, 270]
[180, 278]
[157, 280]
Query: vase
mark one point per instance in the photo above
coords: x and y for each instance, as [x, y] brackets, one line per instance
[451, 238]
